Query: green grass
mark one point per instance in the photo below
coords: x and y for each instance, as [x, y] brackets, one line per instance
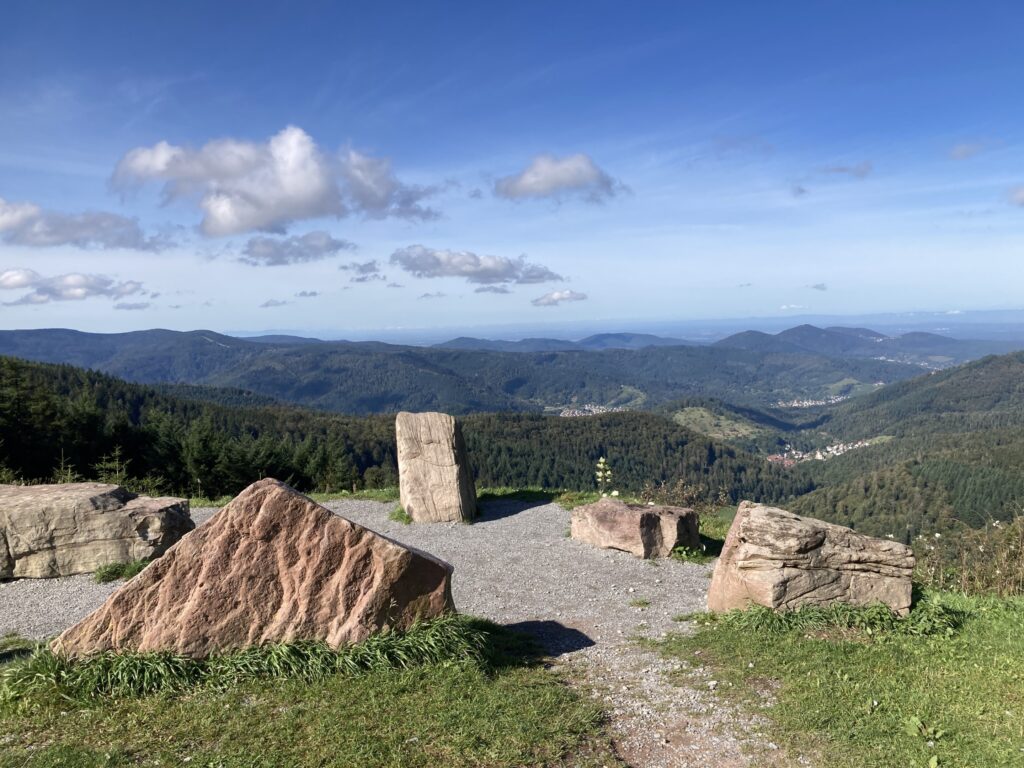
[714, 526]
[640, 602]
[399, 515]
[459, 693]
[715, 425]
[858, 688]
[119, 571]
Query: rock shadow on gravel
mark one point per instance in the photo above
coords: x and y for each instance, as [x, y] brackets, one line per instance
[498, 508]
[556, 639]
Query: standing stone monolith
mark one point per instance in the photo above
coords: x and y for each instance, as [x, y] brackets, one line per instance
[782, 561]
[272, 566]
[68, 528]
[434, 477]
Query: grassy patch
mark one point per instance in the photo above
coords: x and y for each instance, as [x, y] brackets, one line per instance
[119, 571]
[640, 603]
[399, 515]
[859, 687]
[714, 526]
[480, 698]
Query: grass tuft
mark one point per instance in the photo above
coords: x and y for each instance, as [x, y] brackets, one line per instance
[399, 515]
[119, 571]
[448, 640]
[929, 617]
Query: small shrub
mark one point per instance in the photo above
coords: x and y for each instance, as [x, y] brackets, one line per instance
[974, 561]
[399, 515]
[640, 603]
[118, 571]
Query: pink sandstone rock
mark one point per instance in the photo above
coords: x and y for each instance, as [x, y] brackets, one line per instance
[271, 566]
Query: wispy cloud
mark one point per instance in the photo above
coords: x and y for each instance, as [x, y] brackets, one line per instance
[492, 289]
[270, 303]
[548, 176]
[69, 287]
[431, 296]
[132, 306]
[818, 287]
[1017, 196]
[858, 171]
[421, 261]
[264, 251]
[29, 225]
[555, 298]
[307, 294]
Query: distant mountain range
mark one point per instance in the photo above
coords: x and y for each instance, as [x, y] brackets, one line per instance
[372, 377]
[594, 343]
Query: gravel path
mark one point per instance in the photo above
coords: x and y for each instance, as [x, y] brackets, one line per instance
[517, 566]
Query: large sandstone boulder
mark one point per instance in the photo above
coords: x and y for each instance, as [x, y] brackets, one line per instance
[777, 559]
[60, 530]
[271, 566]
[644, 531]
[434, 478]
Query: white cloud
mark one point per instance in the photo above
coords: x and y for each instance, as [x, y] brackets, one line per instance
[18, 278]
[127, 305]
[555, 298]
[69, 287]
[431, 296]
[244, 186]
[28, 224]
[269, 303]
[550, 176]
[788, 307]
[1017, 196]
[312, 246]
[492, 289]
[307, 294]
[819, 287]
[421, 261]
[376, 191]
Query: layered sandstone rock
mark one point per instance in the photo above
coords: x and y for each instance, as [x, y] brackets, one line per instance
[271, 566]
[777, 559]
[60, 530]
[644, 531]
[434, 477]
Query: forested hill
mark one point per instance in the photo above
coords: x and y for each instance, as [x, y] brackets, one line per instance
[927, 350]
[60, 421]
[364, 378]
[985, 394]
[952, 449]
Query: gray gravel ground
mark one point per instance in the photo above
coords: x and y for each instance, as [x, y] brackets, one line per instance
[517, 566]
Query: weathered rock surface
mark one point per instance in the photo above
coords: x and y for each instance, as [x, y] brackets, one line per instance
[644, 531]
[61, 530]
[434, 477]
[777, 559]
[271, 566]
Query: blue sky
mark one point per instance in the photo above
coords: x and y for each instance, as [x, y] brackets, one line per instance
[341, 168]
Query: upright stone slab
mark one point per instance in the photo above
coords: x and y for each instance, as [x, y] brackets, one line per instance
[643, 531]
[272, 566]
[61, 530]
[434, 478]
[780, 560]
